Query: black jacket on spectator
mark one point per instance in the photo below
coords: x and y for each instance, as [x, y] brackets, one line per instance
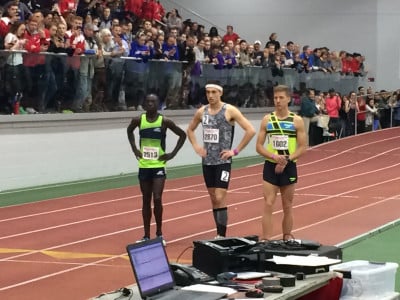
[186, 53]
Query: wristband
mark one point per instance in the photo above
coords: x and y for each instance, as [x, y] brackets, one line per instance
[235, 151]
[274, 157]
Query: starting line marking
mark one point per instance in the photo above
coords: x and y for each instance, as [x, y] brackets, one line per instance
[321, 195]
[61, 254]
[203, 191]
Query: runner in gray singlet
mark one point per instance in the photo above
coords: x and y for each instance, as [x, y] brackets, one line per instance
[217, 136]
[216, 148]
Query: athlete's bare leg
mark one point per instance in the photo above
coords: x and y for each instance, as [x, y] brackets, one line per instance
[270, 191]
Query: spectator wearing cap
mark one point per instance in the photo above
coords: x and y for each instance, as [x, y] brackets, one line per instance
[257, 54]
[230, 35]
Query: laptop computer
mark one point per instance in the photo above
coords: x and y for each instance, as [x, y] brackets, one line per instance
[154, 277]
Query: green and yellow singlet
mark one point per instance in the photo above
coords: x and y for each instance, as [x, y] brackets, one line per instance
[152, 142]
[281, 135]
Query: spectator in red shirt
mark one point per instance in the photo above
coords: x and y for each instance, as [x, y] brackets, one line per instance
[159, 11]
[230, 35]
[148, 9]
[10, 16]
[355, 64]
[346, 64]
[67, 6]
[135, 7]
[333, 103]
[36, 42]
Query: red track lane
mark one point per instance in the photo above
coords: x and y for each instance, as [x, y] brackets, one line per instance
[346, 188]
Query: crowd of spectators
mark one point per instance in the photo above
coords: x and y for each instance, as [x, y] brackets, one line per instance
[93, 35]
[331, 115]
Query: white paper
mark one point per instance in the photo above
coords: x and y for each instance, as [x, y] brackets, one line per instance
[309, 261]
[210, 288]
[251, 275]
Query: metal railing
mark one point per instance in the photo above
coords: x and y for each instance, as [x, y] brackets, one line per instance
[49, 81]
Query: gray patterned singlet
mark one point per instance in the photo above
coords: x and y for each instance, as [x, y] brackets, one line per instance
[217, 136]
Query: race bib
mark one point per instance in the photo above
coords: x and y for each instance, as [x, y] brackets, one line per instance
[225, 176]
[280, 142]
[211, 135]
[150, 153]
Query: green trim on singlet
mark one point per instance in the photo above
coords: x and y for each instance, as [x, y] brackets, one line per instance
[281, 127]
[151, 135]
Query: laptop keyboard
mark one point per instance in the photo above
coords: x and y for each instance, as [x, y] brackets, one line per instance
[188, 295]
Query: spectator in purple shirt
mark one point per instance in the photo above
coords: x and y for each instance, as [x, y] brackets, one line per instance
[216, 58]
[170, 49]
[229, 59]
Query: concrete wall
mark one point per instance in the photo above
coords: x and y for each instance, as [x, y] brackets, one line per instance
[371, 27]
[48, 149]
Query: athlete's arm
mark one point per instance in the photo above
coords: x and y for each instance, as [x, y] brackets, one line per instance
[191, 134]
[261, 137]
[131, 137]
[301, 138]
[235, 114]
[182, 137]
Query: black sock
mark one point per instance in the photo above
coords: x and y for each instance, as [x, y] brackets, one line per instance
[221, 220]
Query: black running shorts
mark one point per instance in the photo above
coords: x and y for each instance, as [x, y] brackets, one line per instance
[288, 176]
[217, 176]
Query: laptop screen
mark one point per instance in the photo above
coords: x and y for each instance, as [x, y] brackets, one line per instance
[151, 267]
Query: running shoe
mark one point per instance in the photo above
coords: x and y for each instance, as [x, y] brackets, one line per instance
[164, 242]
[143, 239]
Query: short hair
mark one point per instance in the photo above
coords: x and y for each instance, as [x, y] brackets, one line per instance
[309, 90]
[282, 88]
[89, 26]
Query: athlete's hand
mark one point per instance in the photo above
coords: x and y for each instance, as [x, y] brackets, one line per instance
[201, 151]
[138, 154]
[279, 168]
[281, 160]
[226, 154]
[166, 157]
